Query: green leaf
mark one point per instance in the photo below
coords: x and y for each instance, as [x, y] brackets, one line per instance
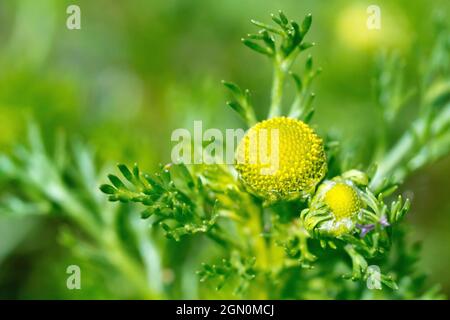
[283, 18]
[136, 172]
[234, 88]
[267, 27]
[236, 107]
[297, 80]
[268, 40]
[116, 181]
[256, 47]
[145, 214]
[309, 63]
[306, 24]
[306, 45]
[125, 172]
[108, 189]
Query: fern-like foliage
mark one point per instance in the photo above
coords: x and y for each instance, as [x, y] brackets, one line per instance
[167, 222]
[273, 251]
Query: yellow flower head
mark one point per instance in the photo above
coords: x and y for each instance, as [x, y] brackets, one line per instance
[342, 200]
[334, 208]
[280, 158]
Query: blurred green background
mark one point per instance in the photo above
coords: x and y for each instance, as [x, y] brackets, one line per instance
[139, 69]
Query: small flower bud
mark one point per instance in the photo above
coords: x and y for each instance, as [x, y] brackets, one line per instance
[334, 208]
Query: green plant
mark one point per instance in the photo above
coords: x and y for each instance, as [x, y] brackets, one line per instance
[320, 243]
[304, 247]
[63, 185]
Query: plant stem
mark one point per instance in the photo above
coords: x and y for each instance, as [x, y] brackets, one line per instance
[420, 129]
[277, 90]
[359, 264]
[392, 159]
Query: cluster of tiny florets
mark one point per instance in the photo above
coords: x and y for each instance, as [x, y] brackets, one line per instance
[294, 163]
[334, 209]
[342, 200]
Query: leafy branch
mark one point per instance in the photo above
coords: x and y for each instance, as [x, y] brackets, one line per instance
[235, 268]
[282, 44]
[427, 138]
[176, 211]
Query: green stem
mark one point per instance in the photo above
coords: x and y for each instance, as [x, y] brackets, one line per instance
[398, 154]
[359, 264]
[382, 137]
[296, 111]
[277, 90]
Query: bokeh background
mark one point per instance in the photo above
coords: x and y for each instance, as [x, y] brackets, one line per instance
[139, 69]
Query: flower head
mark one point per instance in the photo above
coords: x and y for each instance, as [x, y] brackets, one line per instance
[334, 209]
[343, 200]
[281, 157]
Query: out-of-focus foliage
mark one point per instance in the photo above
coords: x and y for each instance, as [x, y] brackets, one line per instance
[136, 71]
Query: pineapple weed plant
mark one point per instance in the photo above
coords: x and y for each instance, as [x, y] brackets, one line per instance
[320, 226]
